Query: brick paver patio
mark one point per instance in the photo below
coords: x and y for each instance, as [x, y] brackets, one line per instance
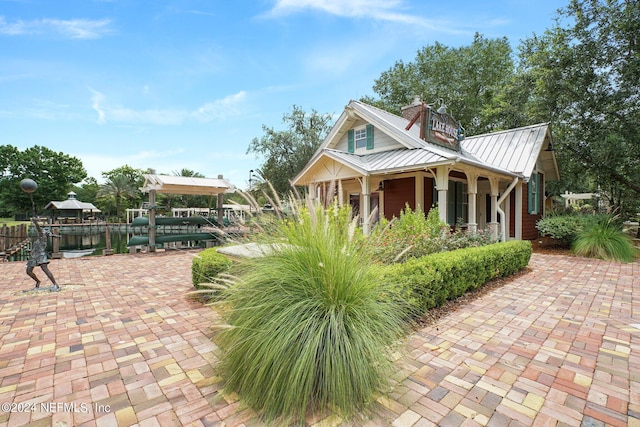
[123, 344]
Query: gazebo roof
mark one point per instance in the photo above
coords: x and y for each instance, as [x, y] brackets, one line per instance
[169, 184]
[72, 204]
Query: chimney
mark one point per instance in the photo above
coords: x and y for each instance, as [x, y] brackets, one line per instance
[410, 111]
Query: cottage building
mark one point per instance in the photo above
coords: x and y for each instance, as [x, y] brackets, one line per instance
[423, 159]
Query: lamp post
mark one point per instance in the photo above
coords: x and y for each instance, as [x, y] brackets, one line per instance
[250, 179]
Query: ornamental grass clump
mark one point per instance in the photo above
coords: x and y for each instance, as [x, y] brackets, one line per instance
[308, 327]
[604, 239]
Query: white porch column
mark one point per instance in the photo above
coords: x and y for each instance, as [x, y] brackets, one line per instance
[442, 185]
[419, 196]
[365, 203]
[495, 189]
[518, 212]
[472, 190]
[312, 192]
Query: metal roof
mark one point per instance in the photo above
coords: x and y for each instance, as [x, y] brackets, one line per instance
[511, 152]
[515, 150]
[72, 204]
[389, 161]
[169, 184]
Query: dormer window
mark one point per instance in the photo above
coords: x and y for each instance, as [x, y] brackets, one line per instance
[360, 138]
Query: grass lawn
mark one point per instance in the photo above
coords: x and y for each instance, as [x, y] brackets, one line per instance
[9, 222]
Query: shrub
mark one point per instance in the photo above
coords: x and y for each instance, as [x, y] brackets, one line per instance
[467, 239]
[413, 236]
[564, 228]
[207, 265]
[308, 325]
[429, 281]
[604, 239]
[408, 236]
[567, 227]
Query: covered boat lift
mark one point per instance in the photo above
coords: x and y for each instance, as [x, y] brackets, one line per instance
[167, 184]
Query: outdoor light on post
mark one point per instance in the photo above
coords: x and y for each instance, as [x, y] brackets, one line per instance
[250, 179]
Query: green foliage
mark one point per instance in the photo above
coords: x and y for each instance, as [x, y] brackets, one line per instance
[467, 78]
[55, 173]
[413, 236]
[566, 227]
[308, 324]
[429, 281]
[462, 238]
[288, 151]
[87, 191]
[118, 189]
[207, 265]
[604, 239]
[585, 76]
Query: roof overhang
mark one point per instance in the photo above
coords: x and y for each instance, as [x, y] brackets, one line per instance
[168, 184]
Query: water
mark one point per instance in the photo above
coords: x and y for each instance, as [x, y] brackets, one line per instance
[75, 245]
[77, 242]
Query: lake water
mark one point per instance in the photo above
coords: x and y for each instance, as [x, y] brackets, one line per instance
[78, 242]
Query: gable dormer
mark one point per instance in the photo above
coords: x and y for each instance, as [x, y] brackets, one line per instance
[363, 138]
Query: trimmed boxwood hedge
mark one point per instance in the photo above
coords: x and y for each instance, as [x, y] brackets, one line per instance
[429, 281]
[207, 265]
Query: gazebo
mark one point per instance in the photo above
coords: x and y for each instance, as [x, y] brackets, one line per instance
[70, 211]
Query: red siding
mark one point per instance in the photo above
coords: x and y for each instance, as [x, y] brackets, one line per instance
[398, 192]
[428, 194]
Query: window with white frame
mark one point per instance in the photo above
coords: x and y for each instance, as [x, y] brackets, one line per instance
[360, 137]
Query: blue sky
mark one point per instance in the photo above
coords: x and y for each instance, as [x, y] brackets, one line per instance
[172, 84]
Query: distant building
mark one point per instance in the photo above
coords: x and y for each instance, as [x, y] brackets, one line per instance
[71, 210]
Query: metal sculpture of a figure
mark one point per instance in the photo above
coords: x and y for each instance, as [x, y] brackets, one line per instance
[38, 257]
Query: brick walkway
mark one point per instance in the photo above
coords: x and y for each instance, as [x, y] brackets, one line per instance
[123, 344]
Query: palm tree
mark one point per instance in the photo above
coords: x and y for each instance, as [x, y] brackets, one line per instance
[192, 201]
[118, 187]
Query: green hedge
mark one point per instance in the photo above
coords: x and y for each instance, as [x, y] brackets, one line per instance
[207, 265]
[429, 281]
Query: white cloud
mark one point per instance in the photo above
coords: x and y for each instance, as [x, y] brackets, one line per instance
[68, 28]
[96, 104]
[383, 10]
[219, 109]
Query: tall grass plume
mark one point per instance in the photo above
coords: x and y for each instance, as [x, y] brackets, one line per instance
[310, 328]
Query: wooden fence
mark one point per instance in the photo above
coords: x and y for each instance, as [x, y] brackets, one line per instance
[12, 240]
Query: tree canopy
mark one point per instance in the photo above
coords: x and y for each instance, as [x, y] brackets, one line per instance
[287, 151]
[582, 75]
[586, 77]
[467, 79]
[54, 172]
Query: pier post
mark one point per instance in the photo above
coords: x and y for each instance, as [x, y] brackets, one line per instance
[107, 239]
[55, 242]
